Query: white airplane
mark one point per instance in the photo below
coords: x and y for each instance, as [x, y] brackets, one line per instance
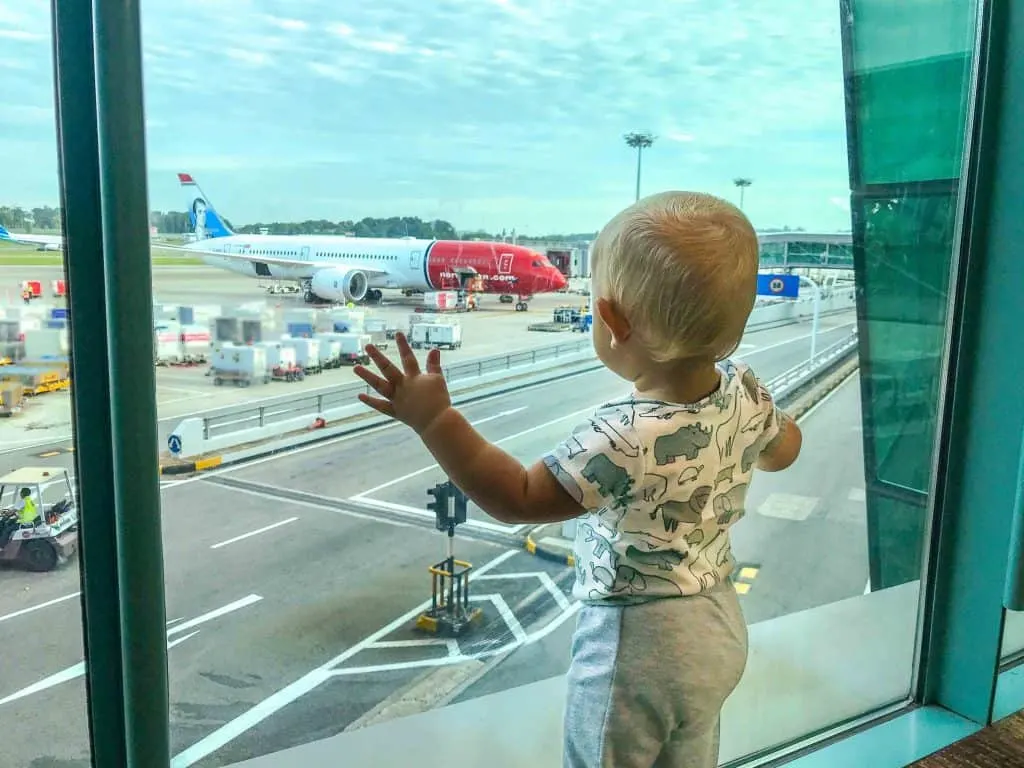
[332, 268]
[42, 242]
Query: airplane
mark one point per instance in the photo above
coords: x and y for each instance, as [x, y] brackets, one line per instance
[42, 242]
[332, 268]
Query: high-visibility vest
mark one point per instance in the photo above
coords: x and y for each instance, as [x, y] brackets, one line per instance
[28, 512]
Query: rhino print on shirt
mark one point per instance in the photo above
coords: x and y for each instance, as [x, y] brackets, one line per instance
[661, 483]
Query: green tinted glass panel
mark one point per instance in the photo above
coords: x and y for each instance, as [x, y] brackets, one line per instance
[840, 254]
[773, 253]
[907, 250]
[911, 118]
[904, 275]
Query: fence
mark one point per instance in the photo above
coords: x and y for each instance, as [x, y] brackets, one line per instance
[285, 409]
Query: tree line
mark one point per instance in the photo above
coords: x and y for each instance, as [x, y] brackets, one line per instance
[15, 217]
[177, 223]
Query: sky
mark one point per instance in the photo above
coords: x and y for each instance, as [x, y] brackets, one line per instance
[488, 113]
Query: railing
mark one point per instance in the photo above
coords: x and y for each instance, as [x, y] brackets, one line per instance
[268, 412]
[811, 370]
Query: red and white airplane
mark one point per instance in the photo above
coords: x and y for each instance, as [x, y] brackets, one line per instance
[332, 268]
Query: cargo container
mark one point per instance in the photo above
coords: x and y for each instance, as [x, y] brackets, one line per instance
[252, 331]
[352, 347]
[167, 344]
[195, 343]
[436, 335]
[46, 342]
[342, 321]
[441, 300]
[307, 354]
[330, 349]
[12, 397]
[300, 330]
[240, 364]
[9, 331]
[227, 329]
[58, 288]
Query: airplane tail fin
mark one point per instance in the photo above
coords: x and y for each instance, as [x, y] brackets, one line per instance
[4, 234]
[206, 222]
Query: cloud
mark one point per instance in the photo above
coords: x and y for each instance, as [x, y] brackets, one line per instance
[289, 25]
[509, 106]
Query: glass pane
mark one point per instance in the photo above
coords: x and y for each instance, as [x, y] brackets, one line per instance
[908, 81]
[42, 682]
[428, 169]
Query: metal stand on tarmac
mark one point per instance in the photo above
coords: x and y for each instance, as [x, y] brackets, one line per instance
[449, 611]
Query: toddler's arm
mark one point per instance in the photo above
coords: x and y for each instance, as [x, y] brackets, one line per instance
[499, 484]
[783, 449]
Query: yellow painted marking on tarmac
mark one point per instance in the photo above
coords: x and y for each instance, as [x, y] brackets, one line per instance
[748, 573]
[48, 454]
[210, 463]
[741, 588]
[70, 449]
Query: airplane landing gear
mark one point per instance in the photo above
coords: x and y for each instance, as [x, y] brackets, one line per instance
[506, 298]
[374, 296]
[521, 305]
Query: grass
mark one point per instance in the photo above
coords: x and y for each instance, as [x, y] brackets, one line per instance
[28, 256]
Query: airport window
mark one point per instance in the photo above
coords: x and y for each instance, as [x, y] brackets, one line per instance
[290, 512]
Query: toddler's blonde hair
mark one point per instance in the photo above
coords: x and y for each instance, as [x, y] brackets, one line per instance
[683, 268]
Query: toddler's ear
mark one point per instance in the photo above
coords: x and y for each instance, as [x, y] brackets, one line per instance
[615, 320]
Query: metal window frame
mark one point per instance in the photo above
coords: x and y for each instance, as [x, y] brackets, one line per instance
[979, 428]
[101, 133]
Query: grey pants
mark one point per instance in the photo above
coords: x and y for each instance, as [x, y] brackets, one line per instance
[647, 682]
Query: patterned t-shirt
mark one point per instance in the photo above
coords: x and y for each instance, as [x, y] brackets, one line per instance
[662, 483]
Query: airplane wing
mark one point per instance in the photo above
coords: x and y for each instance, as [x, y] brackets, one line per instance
[6, 236]
[281, 261]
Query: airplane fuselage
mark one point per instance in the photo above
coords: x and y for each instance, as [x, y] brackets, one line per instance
[406, 263]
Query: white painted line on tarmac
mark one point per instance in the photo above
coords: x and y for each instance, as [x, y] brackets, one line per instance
[320, 507]
[452, 646]
[547, 581]
[821, 332]
[531, 638]
[71, 673]
[257, 532]
[47, 604]
[501, 415]
[282, 698]
[403, 478]
[426, 513]
[214, 614]
[506, 614]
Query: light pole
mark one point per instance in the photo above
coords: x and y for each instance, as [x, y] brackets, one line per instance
[742, 183]
[640, 141]
[816, 290]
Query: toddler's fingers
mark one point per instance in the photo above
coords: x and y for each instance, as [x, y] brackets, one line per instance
[383, 386]
[389, 369]
[378, 404]
[410, 364]
[434, 361]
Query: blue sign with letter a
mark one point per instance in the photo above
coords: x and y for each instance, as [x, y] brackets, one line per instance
[174, 444]
[779, 286]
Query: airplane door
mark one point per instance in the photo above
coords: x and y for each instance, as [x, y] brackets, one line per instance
[304, 253]
[505, 263]
[415, 259]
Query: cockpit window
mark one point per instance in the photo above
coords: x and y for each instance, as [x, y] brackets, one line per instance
[536, 264]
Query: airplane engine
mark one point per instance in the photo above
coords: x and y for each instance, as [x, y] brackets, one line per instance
[340, 285]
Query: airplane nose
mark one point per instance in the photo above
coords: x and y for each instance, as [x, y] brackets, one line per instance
[558, 280]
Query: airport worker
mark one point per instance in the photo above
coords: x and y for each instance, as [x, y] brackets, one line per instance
[659, 475]
[26, 507]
